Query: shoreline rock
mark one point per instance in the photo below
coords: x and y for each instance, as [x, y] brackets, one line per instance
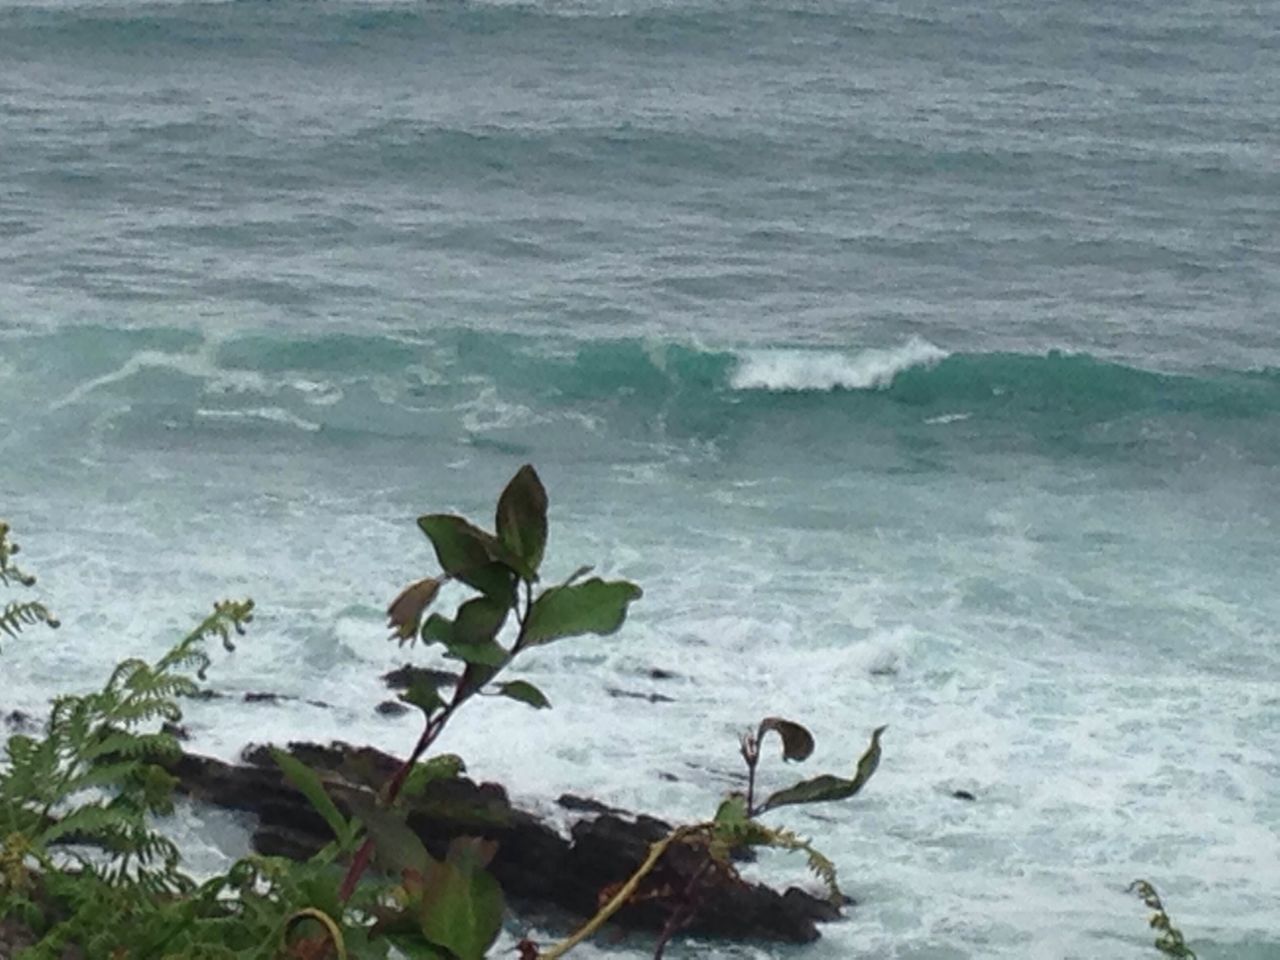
[534, 863]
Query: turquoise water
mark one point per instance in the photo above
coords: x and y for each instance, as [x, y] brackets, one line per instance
[919, 360]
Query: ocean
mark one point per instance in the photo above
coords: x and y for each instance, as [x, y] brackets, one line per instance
[919, 360]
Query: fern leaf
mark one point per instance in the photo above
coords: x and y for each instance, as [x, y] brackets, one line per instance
[9, 571]
[15, 617]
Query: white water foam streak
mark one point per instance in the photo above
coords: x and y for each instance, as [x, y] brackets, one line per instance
[804, 370]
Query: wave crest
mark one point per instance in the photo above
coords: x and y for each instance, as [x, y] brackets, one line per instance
[803, 370]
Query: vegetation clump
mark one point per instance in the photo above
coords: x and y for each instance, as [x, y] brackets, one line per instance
[83, 867]
[1170, 942]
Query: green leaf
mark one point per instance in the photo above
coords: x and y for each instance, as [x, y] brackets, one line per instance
[732, 812]
[462, 904]
[308, 783]
[486, 653]
[437, 629]
[424, 695]
[522, 519]
[469, 554]
[594, 606]
[446, 766]
[827, 788]
[397, 847]
[797, 742]
[524, 692]
[478, 621]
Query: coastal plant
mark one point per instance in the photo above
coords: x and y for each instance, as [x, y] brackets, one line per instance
[83, 867]
[452, 908]
[1170, 940]
[79, 851]
[735, 828]
[17, 615]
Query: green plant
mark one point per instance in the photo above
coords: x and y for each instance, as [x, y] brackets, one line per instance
[452, 907]
[82, 865]
[17, 615]
[1170, 942]
[76, 805]
[735, 826]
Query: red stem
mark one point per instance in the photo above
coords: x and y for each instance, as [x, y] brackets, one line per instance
[360, 863]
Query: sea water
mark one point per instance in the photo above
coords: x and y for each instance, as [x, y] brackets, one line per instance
[918, 359]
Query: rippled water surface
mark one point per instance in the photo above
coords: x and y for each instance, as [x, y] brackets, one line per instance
[918, 359]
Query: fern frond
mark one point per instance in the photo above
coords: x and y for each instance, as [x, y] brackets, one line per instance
[228, 616]
[94, 778]
[9, 571]
[819, 864]
[17, 616]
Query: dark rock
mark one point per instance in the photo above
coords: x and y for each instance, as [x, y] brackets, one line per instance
[963, 795]
[817, 909]
[19, 720]
[282, 698]
[176, 730]
[657, 673]
[728, 906]
[584, 804]
[534, 863]
[651, 697]
[404, 677]
[669, 777]
[392, 708]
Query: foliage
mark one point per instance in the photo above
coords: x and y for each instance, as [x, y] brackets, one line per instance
[1170, 941]
[734, 828]
[14, 617]
[83, 866]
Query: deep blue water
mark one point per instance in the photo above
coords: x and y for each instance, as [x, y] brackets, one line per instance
[919, 359]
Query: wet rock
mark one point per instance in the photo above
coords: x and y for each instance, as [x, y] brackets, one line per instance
[534, 863]
[391, 708]
[584, 804]
[404, 677]
[633, 695]
[963, 795]
[20, 721]
[176, 730]
[283, 698]
[657, 673]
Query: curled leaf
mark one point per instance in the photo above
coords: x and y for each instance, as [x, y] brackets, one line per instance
[405, 612]
[797, 742]
[827, 787]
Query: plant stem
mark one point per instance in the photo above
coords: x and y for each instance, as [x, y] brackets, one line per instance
[751, 754]
[683, 914]
[619, 899]
[435, 726]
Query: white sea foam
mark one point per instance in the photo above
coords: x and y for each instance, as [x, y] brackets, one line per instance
[945, 418]
[276, 415]
[799, 370]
